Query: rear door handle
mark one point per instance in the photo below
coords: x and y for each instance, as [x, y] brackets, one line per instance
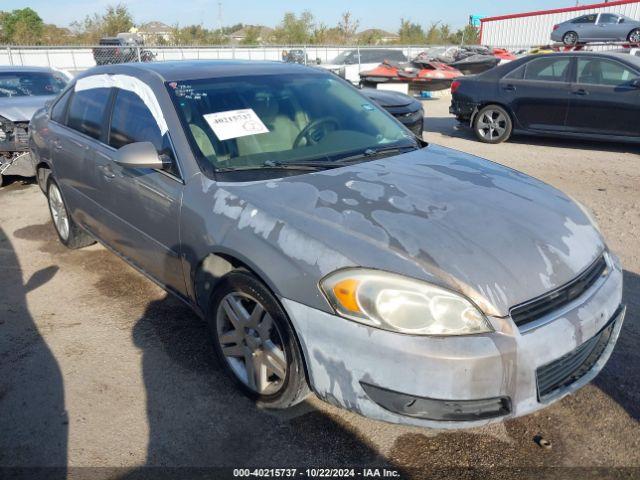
[581, 91]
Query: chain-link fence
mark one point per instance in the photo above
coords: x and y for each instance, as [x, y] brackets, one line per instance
[76, 59]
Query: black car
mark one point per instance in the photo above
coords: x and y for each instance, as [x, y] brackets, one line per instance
[578, 94]
[406, 109]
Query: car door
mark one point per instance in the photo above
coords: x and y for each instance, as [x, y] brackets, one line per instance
[610, 28]
[538, 92]
[144, 204]
[604, 99]
[586, 28]
[74, 136]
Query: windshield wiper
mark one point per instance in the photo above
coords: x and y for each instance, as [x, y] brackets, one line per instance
[371, 153]
[273, 165]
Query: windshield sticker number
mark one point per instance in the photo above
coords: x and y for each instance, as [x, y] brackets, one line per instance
[235, 123]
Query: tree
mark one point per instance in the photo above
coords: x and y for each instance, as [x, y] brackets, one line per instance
[116, 19]
[468, 35]
[370, 37]
[411, 33]
[252, 36]
[348, 26]
[23, 26]
[294, 30]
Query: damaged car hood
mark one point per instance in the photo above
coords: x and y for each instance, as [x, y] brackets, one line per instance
[21, 109]
[495, 234]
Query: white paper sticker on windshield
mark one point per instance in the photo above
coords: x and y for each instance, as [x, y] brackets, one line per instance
[235, 123]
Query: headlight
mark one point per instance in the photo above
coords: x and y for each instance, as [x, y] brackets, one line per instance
[400, 304]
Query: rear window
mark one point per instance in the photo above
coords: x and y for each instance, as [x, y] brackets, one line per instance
[550, 69]
[87, 110]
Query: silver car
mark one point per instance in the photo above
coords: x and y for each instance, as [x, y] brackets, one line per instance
[594, 27]
[23, 90]
[327, 247]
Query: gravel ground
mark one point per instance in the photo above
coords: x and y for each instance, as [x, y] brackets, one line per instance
[99, 368]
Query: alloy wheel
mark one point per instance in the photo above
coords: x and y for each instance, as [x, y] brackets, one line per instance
[58, 211]
[634, 37]
[492, 125]
[251, 343]
[570, 38]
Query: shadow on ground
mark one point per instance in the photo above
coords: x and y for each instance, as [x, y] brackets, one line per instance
[620, 379]
[33, 419]
[449, 127]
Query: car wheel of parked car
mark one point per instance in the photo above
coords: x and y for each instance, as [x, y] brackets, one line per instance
[570, 38]
[70, 234]
[634, 36]
[255, 342]
[492, 124]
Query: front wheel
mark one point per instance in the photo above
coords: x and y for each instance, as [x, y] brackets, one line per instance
[634, 36]
[69, 233]
[255, 342]
[570, 39]
[492, 124]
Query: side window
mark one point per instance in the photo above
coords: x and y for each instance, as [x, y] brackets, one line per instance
[586, 19]
[86, 111]
[603, 72]
[550, 69]
[517, 74]
[132, 121]
[608, 18]
[59, 109]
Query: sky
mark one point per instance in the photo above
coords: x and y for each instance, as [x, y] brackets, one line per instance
[371, 13]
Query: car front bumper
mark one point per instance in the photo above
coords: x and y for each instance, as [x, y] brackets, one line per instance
[420, 380]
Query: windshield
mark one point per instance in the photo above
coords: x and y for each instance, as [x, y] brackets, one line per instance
[250, 122]
[25, 84]
[341, 59]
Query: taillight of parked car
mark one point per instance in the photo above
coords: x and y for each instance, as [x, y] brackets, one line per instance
[455, 85]
[555, 27]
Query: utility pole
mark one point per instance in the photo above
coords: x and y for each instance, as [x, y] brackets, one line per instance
[220, 17]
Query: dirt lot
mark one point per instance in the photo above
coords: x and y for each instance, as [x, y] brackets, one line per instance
[99, 368]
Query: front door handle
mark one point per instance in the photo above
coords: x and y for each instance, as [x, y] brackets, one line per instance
[509, 88]
[107, 172]
[581, 92]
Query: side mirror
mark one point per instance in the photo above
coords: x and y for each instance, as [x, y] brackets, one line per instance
[139, 155]
[621, 20]
[635, 83]
[318, 61]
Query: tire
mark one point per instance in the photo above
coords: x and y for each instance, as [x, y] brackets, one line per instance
[492, 124]
[69, 233]
[251, 329]
[1, 181]
[634, 36]
[570, 39]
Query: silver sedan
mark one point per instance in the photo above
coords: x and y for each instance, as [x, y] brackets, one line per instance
[594, 27]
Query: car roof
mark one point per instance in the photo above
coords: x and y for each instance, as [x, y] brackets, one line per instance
[200, 69]
[23, 69]
[623, 57]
